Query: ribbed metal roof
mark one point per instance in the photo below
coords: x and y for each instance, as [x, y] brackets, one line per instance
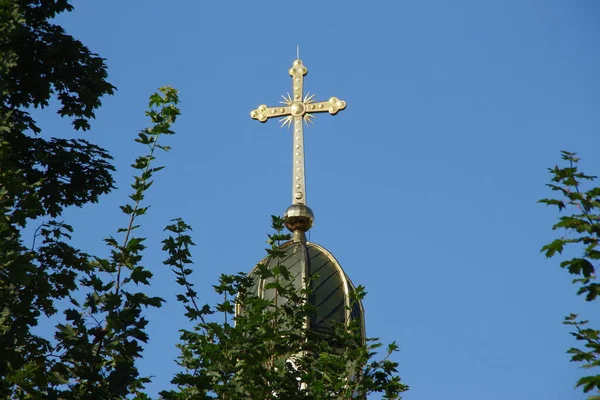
[330, 285]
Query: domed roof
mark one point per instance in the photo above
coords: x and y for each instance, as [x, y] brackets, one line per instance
[330, 285]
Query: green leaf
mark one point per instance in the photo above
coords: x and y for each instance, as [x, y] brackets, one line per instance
[141, 275]
[551, 249]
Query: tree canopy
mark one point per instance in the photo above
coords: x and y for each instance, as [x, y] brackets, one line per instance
[579, 201]
[40, 176]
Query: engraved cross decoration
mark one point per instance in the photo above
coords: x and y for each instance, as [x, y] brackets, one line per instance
[298, 108]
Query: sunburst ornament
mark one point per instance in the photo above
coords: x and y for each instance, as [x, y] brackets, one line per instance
[294, 109]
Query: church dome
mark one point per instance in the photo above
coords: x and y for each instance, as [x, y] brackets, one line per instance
[331, 287]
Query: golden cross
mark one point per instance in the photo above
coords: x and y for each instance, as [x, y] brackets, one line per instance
[297, 108]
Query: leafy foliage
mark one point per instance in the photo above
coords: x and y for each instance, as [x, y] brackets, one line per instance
[39, 177]
[581, 227]
[44, 62]
[95, 350]
[267, 353]
[102, 339]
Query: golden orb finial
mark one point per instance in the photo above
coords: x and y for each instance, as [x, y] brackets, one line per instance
[298, 217]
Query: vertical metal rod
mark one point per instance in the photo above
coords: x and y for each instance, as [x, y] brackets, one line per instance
[299, 175]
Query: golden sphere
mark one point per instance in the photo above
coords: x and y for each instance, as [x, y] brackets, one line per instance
[297, 109]
[298, 217]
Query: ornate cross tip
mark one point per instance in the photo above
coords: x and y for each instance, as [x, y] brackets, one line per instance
[298, 68]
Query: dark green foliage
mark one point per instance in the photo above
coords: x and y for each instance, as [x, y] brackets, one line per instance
[102, 337]
[94, 351]
[268, 353]
[39, 177]
[45, 62]
[580, 201]
[39, 61]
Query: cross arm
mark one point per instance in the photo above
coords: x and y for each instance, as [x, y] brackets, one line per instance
[333, 105]
[262, 113]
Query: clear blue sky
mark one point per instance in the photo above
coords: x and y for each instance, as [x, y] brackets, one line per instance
[424, 188]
